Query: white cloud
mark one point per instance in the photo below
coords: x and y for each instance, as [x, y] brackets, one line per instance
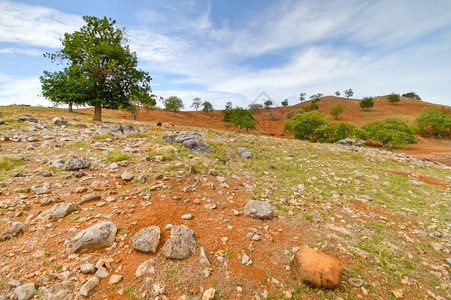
[24, 51]
[21, 90]
[34, 25]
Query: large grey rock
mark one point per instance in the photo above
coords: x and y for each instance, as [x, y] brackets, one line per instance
[25, 292]
[129, 128]
[244, 152]
[350, 142]
[28, 118]
[58, 211]
[197, 146]
[259, 209]
[60, 122]
[60, 291]
[109, 128]
[89, 286]
[89, 197]
[147, 239]
[15, 230]
[181, 244]
[180, 137]
[97, 236]
[76, 163]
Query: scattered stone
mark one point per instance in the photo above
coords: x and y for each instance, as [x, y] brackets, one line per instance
[209, 294]
[60, 122]
[102, 272]
[181, 244]
[129, 128]
[115, 279]
[89, 286]
[147, 239]
[60, 291]
[25, 292]
[87, 268]
[197, 146]
[97, 236]
[15, 230]
[127, 176]
[89, 197]
[76, 163]
[204, 257]
[147, 267]
[187, 217]
[28, 118]
[244, 152]
[414, 182]
[317, 269]
[45, 173]
[259, 209]
[245, 259]
[58, 211]
[350, 142]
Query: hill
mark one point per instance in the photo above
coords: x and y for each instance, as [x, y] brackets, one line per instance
[384, 217]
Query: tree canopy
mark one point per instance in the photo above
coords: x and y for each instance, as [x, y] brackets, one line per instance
[412, 95]
[100, 70]
[349, 93]
[174, 104]
[393, 98]
[366, 103]
[207, 107]
[197, 102]
[336, 110]
[285, 102]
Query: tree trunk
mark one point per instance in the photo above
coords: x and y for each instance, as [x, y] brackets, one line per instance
[97, 112]
[70, 107]
[174, 113]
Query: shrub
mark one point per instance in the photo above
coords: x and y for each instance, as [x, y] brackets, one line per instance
[393, 98]
[412, 95]
[432, 122]
[297, 111]
[241, 118]
[336, 110]
[313, 106]
[366, 103]
[392, 133]
[313, 126]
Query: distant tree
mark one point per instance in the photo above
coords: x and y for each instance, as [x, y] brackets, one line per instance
[101, 70]
[285, 102]
[412, 95]
[337, 93]
[268, 103]
[228, 105]
[255, 107]
[197, 102]
[393, 98]
[349, 93]
[135, 104]
[302, 97]
[336, 110]
[366, 103]
[242, 118]
[207, 107]
[174, 104]
[316, 97]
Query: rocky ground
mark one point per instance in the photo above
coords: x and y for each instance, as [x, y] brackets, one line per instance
[116, 211]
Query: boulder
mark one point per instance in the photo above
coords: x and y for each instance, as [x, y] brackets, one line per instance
[25, 292]
[350, 142]
[89, 286]
[129, 128]
[15, 230]
[76, 163]
[259, 209]
[104, 128]
[60, 291]
[28, 118]
[317, 269]
[197, 146]
[181, 244]
[57, 121]
[147, 239]
[58, 211]
[95, 237]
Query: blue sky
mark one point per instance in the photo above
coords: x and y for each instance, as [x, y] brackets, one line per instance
[228, 50]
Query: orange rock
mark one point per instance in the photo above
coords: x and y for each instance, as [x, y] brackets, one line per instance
[317, 269]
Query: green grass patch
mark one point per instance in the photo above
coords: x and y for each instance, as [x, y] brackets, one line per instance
[118, 155]
[79, 145]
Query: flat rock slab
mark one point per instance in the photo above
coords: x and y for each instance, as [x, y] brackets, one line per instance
[317, 269]
[60, 291]
[58, 211]
[147, 239]
[197, 146]
[259, 209]
[98, 236]
[15, 230]
[181, 244]
[25, 292]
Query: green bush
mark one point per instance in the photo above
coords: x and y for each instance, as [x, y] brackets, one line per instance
[314, 127]
[432, 122]
[313, 106]
[412, 95]
[393, 98]
[297, 111]
[241, 118]
[392, 133]
[366, 103]
[336, 110]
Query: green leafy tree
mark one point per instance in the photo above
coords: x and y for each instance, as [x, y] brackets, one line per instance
[100, 71]
[366, 103]
[393, 98]
[197, 102]
[226, 113]
[285, 102]
[174, 104]
[148, 102]
[316, 97]
[432, 122]
[412, 95]
[337, 93]
[268, 103]
[349, 93]
[242, 118]
[392, 133]
[207, 107]
[336, 110]
[302, 97]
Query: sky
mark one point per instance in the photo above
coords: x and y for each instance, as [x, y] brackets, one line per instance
[230, 50]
